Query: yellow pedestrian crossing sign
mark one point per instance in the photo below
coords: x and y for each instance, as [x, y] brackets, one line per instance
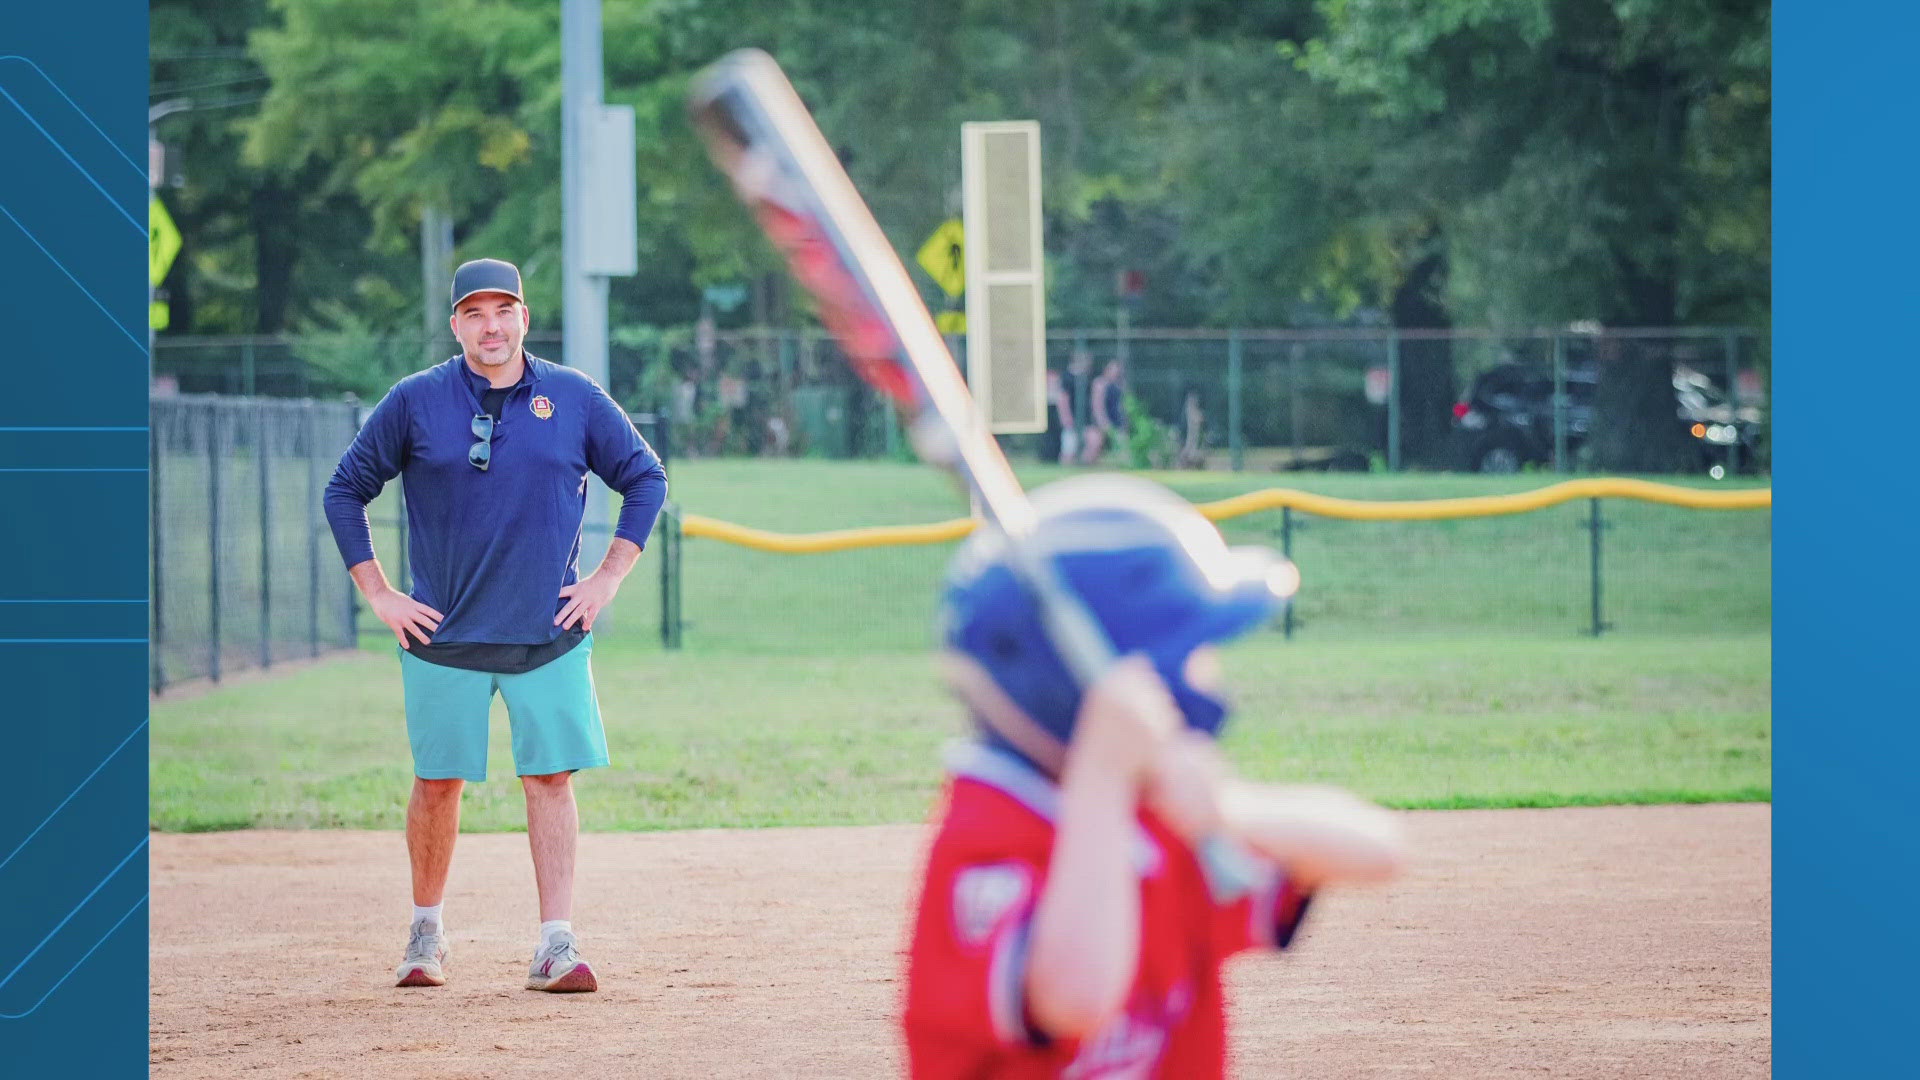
[943, 257]
[163, 241]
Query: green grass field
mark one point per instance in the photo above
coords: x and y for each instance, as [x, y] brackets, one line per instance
[719, 740]
[1435, 665]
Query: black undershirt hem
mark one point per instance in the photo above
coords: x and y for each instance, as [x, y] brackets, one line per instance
[495, 658]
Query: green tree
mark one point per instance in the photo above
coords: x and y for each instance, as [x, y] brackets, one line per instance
[402, 106]
[1418, 164]
[1616, 168]
[243, 227]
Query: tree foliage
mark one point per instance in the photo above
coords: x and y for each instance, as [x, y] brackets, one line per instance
[1288, 162]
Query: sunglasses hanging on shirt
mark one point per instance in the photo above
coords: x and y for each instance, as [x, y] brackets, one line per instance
[480, 454]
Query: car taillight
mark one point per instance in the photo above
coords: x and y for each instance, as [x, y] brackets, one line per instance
[1460, 410]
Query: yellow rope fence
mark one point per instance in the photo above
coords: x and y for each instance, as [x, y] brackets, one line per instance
[696, 525]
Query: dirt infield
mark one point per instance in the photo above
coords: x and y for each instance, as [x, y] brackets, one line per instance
[1631, 941]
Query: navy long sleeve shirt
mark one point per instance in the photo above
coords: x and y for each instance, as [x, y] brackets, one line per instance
[491, 549]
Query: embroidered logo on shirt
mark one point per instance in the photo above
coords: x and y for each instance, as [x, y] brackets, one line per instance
[982, 896]
[542, 406]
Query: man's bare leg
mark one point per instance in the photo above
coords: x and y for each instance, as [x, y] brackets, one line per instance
[433, 823]
[553, 832]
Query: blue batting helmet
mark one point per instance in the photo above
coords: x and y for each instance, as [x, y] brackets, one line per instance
[1155, 575]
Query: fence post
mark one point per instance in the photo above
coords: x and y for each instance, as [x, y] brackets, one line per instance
[1393, 401]
[1595, 526]
[1733, 401]
[1236, 441]
[248, 380]
[351, 638]
[213, 541]
[156, 614]
[1293, 397]
[670, 540]
[890, 418]
[1082, 416]
[266, 533]
[1559, 403]
[405, 581]
[310, 439]
[1286, 550]
[662, 530]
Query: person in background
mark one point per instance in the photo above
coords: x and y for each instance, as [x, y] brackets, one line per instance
[1075, 384]
[1193, 422]
[1061, 441]
[1107, 401]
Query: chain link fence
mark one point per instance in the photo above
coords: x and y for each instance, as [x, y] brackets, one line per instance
[245, 574]
[1584, 568]
[1678, 400]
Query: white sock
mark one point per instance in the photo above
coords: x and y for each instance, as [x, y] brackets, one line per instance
[552, 927]
[431, 914]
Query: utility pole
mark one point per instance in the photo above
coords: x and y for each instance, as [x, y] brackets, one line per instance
[436, 280]
[598, 233]
[584, 293]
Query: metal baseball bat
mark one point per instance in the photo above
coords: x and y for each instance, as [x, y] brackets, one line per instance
[761, 135]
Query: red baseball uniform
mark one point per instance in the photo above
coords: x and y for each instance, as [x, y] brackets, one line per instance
[966, 1004]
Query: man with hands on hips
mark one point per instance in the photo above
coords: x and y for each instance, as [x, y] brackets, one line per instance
[493, 448]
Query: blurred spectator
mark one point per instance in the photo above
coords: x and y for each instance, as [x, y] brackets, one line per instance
[1074, 382]
[779, 435]
[1107, 402]
[733, 392]
[1193, 422]
[1061, 441]
[685, 394]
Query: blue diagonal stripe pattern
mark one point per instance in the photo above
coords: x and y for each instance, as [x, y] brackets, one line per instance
[77, 964]
[142, 726]
[71, 79]
[82, 113]
[57, 145]
[68, 917]
[141, 345]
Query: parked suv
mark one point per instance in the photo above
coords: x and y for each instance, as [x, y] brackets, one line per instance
[1506, 421]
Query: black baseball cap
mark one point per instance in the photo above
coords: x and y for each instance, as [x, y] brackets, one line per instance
[486, 275]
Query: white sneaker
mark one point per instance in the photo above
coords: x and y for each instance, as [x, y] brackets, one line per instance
[425, 964]
[558, 969]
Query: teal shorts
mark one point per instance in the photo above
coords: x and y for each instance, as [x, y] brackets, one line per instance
[552, 709]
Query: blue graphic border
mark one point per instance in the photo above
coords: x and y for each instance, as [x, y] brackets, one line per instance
[1845, 596]
[73, 540]
[1844, 589]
